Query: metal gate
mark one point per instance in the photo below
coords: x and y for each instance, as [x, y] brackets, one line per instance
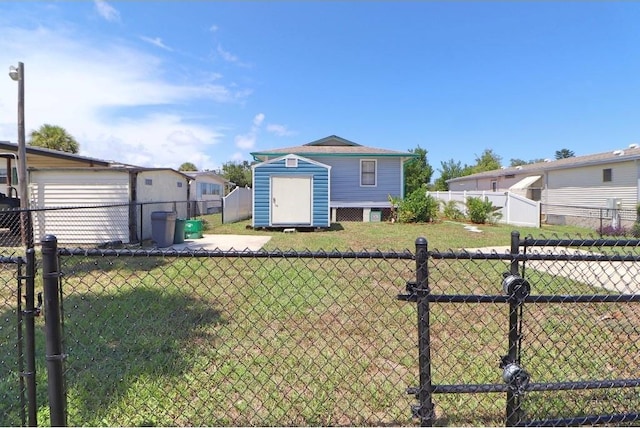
[555, 344]
[17, 340]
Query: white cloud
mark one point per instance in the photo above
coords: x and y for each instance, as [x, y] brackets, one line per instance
[227, 56]
[237, 157]
[156, 41]
[258, 119]
[279, 130]
[111, 96]
[248, 141]
[213, 28]
[107, 11]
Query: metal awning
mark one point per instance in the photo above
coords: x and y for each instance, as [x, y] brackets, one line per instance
[525, 183]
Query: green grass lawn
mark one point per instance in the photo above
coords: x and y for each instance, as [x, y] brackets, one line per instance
[442, 235]
[299, 341]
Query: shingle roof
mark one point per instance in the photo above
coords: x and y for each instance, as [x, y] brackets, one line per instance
[332, 145]
[630, 153]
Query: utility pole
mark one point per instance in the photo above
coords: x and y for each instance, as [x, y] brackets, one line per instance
[17, 74]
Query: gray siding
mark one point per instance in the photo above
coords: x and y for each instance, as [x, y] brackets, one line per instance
[584, 186]
[345, 179]
[262, 174]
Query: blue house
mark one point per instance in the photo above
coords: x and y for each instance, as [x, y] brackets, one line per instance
[325, 181]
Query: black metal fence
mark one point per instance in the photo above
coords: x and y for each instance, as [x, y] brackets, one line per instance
[544, 334]
[547, 334]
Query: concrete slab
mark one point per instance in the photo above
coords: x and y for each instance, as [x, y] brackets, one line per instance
[621, 277]
[223, 243]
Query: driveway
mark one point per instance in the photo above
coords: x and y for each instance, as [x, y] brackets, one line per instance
[622, 277]
[223, 243]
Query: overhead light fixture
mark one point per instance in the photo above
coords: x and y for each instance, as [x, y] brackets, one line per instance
[14, 73]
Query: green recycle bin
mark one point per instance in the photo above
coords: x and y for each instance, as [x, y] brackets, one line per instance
[178, 236]
[193, 229]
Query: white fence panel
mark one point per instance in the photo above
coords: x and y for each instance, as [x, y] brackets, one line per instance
[237, 205]
[516, 210]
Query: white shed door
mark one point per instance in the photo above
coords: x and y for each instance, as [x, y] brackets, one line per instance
[290, 200]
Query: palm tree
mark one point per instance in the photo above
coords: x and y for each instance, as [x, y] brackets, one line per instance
[188, 166]
[564, 153]
[54, 137]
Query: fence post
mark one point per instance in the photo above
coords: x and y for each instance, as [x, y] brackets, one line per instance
[426, 412]
[513, 401]
[53, 330]
[30, 353]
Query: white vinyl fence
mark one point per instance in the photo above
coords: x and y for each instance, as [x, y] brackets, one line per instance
[237, 205]
[516, 210]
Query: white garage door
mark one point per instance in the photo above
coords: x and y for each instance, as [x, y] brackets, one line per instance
[106, 192]
[290, 200]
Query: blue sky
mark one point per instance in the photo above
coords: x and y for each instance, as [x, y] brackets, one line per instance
[162, 83]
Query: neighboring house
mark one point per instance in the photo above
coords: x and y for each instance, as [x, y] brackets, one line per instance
[325, 181]
[122, 198]
[38, 157]
[577, 190]
[207, 190]
[65, 180]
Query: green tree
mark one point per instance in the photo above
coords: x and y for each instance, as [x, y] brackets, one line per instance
[487, 161]
[238, 172]
[448, 170]
[187, 166]
[518, 162]
[564, 153]
[417, 171]
[55, 138]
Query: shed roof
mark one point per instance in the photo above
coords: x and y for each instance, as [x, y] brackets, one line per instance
[49, 153]
[331, 146]
[612, 156]
[124, 169]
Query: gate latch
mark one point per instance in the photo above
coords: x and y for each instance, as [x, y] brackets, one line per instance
[516, 287]
[36, 311]
[516, 378]
[413, 292]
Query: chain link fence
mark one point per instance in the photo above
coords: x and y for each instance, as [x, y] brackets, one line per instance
[548, 337]
[544, 333]
[279, 338]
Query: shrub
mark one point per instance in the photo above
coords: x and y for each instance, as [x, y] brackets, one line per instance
[417, 207]
[481, 211]
[613, 231]
[451, 210]
[635, 230]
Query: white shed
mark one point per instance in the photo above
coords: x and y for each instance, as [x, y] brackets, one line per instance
[97, 205]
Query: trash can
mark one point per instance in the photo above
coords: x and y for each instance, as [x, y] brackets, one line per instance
[163, 225]
[193, 229]
[178, 237]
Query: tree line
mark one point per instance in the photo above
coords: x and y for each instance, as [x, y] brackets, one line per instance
[418, 172]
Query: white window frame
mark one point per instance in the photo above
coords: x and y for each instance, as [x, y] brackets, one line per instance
[375, 172]
[291, 162]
